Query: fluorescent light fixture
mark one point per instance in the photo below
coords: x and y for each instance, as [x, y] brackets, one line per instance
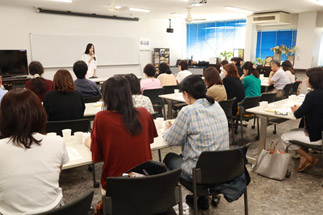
[238, 10]
[319, 2]
[139, 10]
[65, 1]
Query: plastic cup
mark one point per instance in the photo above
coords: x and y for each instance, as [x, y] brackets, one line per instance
[51, 134]
[67, 134]
[159, 122]
[78, 137]
[263, 104]
[176, 91]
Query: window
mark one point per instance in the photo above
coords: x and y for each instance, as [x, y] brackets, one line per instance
[205, 40]
[270, 39]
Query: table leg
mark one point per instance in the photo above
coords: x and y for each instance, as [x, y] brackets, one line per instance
[95, 183]
[170, 109]
[159, 155]
[263, 133]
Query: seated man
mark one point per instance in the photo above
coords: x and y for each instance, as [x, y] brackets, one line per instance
[278, 78]
[86, 87]
[200, 126]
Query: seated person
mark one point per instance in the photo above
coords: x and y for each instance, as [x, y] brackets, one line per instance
[233, 85]
[64, 102]
[237, 61]
[278, 78]
[223, 72]
[86, 87]
[165, 75]
[312, 110]
[39, 85]
[288, 68]
[203, 119]
[183, 71]
[2, 90]
[139, 100]
[214, 84]
[150, 82]
[31, 162]
[121, 134]
[251, 81]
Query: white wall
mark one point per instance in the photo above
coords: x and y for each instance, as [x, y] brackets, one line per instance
[17, 23]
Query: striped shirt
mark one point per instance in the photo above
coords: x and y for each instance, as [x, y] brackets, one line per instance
[198, 127]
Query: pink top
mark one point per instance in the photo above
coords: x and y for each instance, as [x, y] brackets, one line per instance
[149, 83]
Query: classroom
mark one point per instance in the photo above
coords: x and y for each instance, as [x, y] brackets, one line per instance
[255, 38]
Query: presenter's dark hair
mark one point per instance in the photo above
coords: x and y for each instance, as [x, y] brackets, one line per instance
[133, 83]
[87, 49]
[150, 70]
[232, 70]
[315, 77]
[194, 85]
[37, 84]
[63, 81]
[251, 70]
[164, 68]
[80, 69]
[212, 76]
[22, 114]
[117, 97]
[183, 65]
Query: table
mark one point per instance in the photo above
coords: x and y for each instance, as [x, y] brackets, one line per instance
[91, 109]
[170, 98]
[282, 106]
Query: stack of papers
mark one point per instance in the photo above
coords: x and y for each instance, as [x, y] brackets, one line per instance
[73, 154]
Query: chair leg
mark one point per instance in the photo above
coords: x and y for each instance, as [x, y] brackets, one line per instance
[180, 204]
[254, 123]
[232, 132]
[245, 196]
[275, 131]
[257, 138]
[241, 125]
[195, 193]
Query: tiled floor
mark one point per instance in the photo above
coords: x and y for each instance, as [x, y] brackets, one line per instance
[300, 194]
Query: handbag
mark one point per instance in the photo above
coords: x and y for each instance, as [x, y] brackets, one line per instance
[272, 163]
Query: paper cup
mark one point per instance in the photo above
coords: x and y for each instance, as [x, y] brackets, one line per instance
[67, 134]
[159, 122]
[176, 91]
[78, 137]
[51, 134]
[263, 104]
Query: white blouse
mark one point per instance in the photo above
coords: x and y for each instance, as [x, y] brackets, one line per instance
[91, 66]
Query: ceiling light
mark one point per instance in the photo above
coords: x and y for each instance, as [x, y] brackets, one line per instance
[319, 2]
[239, 10]
[139, 10]
[65, 1]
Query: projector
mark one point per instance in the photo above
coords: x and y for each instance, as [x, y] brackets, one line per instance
[170, 30]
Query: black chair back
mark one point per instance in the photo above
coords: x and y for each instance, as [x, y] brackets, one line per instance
[269, 97]
[153, 94]
[287, 91]
[91, 99]
[249, 102]
[142, 195]
[227, 106]
[76, 125]
[151, 167]
[170, 89]
[295, 87]
[217, 167]
[80, 206]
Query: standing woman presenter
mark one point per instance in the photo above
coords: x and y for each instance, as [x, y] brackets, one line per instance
[90, 59]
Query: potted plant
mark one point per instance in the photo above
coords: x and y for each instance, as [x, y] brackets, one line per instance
[278, 51]
[226, 54]
[290, 53]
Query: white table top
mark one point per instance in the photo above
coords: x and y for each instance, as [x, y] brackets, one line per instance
[173, 96]
[96, 80]
[81, 155]
[264, 82]
[283, 106]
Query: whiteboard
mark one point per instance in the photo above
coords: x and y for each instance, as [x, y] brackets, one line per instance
[63, 50]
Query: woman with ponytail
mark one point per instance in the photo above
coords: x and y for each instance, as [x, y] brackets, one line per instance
[200, 126]
[39, 85]
[121, 134]
[251, 81]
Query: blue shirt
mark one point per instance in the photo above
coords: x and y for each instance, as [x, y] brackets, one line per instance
[252, 86]
[87, 88]
[198, 127]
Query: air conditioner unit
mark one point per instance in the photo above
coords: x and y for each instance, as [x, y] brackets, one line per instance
[274, 18]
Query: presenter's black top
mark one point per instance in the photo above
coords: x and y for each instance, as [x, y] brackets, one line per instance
[312, 109]
[64, 106]
[234, 88]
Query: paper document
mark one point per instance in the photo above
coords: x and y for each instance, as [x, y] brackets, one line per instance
[73, 154]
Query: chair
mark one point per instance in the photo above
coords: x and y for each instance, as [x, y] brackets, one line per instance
[143, 195]
[91, 99]
[170, 89]
[214, 168]
[295, 87]
[79, 206]
[248, 102]
[227, 108]
[153, 95]
[75, 125]
[287, 90]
